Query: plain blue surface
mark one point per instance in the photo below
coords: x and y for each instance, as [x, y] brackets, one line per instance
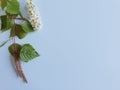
[79, 46]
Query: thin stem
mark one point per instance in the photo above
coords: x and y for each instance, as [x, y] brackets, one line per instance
[17, 59]
[19, 18]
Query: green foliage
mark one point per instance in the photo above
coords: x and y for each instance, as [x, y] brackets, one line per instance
[3, 3]
[26, 25]
[13, 7]
[28, 53]
[15, 48]
[18, 31]
[12, 14]
[6, 23]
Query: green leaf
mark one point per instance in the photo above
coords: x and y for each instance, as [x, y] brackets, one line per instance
[3, 3]
[13, 7]
[28, 53]
[27, 27]
[17, 31]
[3, 22]
[4, 43]
[14, 48]
[6, 23]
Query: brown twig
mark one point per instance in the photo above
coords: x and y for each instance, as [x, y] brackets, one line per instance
[18, 67]
[17, 61]
[22, 18]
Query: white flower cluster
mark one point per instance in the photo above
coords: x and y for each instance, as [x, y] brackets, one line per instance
[33, 15]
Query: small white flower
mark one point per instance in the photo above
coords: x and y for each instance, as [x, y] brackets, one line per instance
[33, 15]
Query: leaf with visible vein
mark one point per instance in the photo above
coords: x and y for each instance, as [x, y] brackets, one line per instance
[28, 53]
[6, 23]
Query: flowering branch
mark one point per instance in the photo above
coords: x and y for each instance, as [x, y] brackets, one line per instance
[19, 52]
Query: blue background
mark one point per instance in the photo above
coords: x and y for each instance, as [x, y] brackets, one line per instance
[79, 46]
